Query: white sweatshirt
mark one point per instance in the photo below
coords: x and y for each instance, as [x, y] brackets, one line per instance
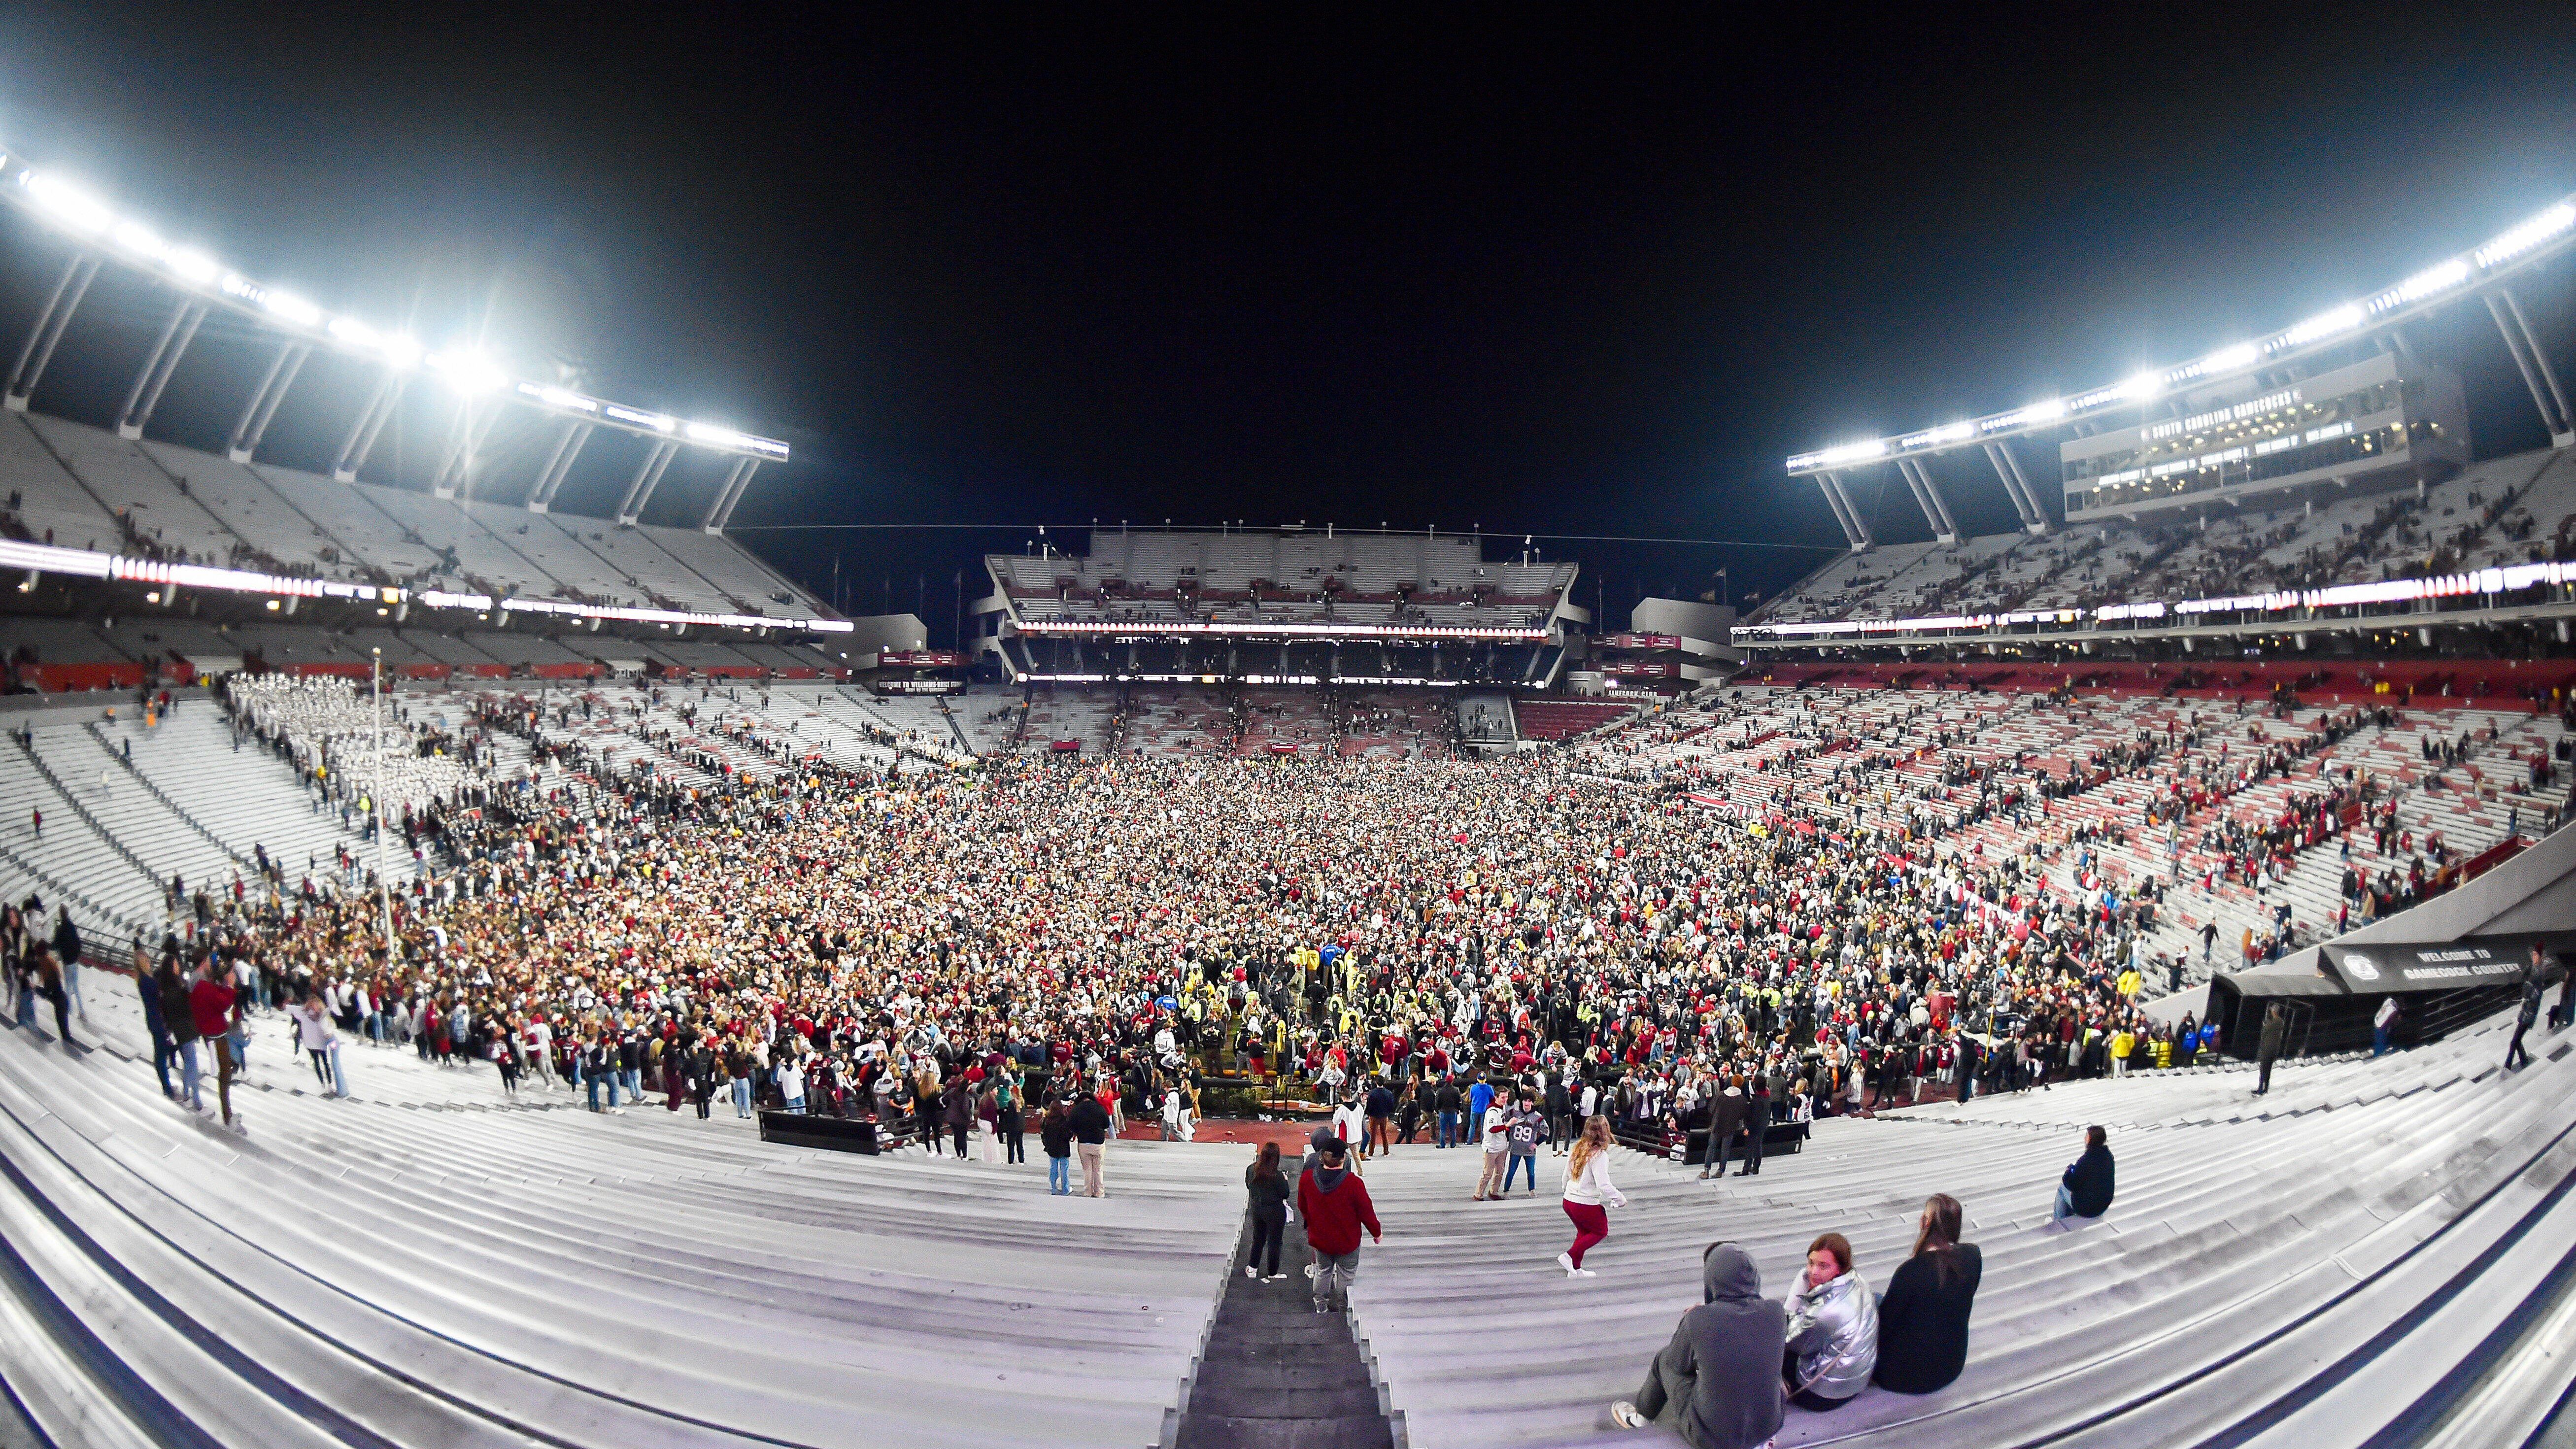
[1594, 1186]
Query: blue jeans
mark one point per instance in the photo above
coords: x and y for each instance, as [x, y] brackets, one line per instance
[742, 1096]
[593, 1084]
[634, 1084]
[2378, 1041]
[1448, 1129]
[2065, 1205]
[189, 1073]
[164, 1051]
[1060, 1176]
[1517, 1163]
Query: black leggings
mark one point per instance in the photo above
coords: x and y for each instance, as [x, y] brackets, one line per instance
[960, 1131]
[1266, 1233]
[321, 1065]
[1012, 1140]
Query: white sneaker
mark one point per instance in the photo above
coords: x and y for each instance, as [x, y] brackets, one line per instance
[1251, 1272]
[1585, 1273]
[1625, 1415]
[1566, 1261]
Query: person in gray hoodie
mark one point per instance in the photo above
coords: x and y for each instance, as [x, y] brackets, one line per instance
[1718, 1382]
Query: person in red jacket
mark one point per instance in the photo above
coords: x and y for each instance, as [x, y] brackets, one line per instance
[215, 1005]
[1335, 1205]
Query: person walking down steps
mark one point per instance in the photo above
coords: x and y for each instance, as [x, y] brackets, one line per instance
[1267, 1187]
[1336, 1206]
[1589, 1195]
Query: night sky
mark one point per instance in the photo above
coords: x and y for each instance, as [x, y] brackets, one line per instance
[1007, 267]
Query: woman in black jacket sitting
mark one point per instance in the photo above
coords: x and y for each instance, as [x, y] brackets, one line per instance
[1923, 1318]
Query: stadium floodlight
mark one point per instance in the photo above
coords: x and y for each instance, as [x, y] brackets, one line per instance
[192, 266]
[75, 210]
[1856, 452]
[2438, 278]
[2530, 234]
[2324, 324]
[658, 422]
[292, 307]
[2513, 250]
[467, 369]
[559, 397]
[2233, 358]
[70, 206]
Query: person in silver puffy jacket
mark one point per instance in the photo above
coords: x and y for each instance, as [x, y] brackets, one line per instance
[1833, 1329]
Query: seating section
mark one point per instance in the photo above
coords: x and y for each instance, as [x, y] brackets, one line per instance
[2515, 509]
[496, 1272]
[1944, 763]
[2257, 1267]
[1555, 719]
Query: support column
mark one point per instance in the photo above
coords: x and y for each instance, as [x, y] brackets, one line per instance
[2025, 499]
[1936, 509]
[39, 348]
[145, 395]
[1845, 514]
[720, 512]
[567, 447]
[370, 422]
[2536, 373]
[263, 402]
[647, 478]
[456, 473]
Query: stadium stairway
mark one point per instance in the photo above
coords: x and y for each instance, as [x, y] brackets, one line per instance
[365, 1272]
[2350, 1251]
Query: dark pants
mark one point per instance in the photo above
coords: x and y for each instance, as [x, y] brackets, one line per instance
[1013, 1149]
[2513, 1052]
[2262, 1076]
[1714, 1155]
[1807, 1399]
[164, 1052]
[63, 1017]
[1754, 1132]
[1266, 1233]
[1665, 1396]
[959, 1132]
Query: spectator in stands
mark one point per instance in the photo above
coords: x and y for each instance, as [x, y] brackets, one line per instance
[1527, 1128]
[2515, 1057]
[2267, 1050]
[1833, 1329]
[1268, 1189]
[67, 955]
[1494, 1131]
[154, 1025]
[1055, 1139]
[1726, 1118]
[1589, 1194]
[1445, 1102]
[1717, 1382]
[2380, 1023]
[44, 977]
[2085, 1190]
[1923, 1315]
[314, 1035]
[1090, 1123]
[1336, 1206]
[217, 1010]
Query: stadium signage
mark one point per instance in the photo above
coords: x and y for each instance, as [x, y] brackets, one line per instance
[920, 686]
[920, 659]
[2379, 970]
[40, 558]
[1639, 641]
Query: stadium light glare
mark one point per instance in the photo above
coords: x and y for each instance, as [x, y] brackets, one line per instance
[2440, 278]
[401, 350]
[467, 370]
[710, 433]
[192, 266]
[2142, 386]
[2235, 358]
[137, 238]
[559, 397]
[2528, 235]
[1856, 452]
[355, 332]
[2324, 324]
[293, 308]
[658, 422]
[68, 204]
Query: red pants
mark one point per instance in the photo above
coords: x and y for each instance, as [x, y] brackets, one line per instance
[1591, 1225]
